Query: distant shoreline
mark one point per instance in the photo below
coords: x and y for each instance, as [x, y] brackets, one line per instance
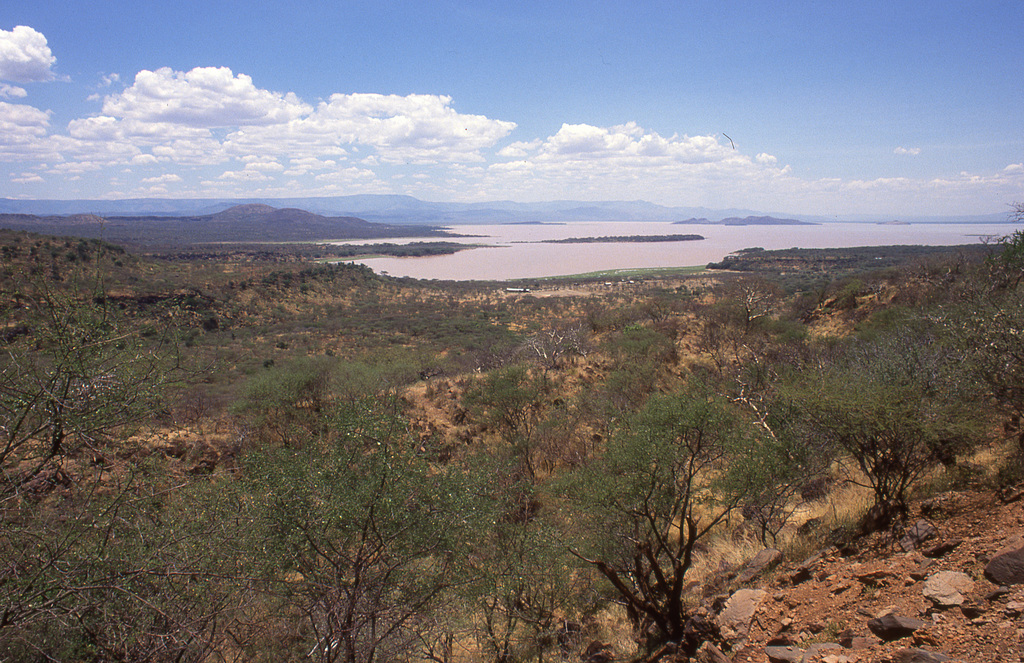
[624, 238]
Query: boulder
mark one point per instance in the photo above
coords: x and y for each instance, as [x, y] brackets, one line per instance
[851, 639]
[1007, 567]
[894, 627]
[734, 620]
[784, 654]
[915, 655]
[756, 566]
[917, 534]
[805, 569]
[941, 549]
[708, 653]
[946, 589]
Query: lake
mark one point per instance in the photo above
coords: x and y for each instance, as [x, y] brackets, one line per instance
[513, 251]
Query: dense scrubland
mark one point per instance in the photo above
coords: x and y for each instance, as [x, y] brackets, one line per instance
[252, 456]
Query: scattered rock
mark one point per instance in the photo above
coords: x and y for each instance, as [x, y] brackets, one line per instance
[941, 505]
[1007, 567]
[894, 627]
[997, 593]
[972, 610]
[851, 639]
[915, 655]
[805, 570]
[942, 549]
[917, 534]
[756, 566]
[1011, 494]
[734, 620]
[1014, 609]
[946, 589]
[874, 578]
[819, 651]
[784, 654]
[701, 627]
[921, 572]
[781, 641]
[708, 653]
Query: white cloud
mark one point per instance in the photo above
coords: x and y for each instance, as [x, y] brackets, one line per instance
[243, 176]
[25, 56]
[110, 79]
[264, 166]
[623, 143]
[18, 119]
[27, 178]
[11, 91]
[346, 176]
[278, 145]
[518, 149]
[162, 179]
[202, 97]
[308, 164]
[417, 128]
[22, 133]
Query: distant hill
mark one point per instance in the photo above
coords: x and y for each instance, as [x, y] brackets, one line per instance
[406, 210]
[252, 222]
[749, 221]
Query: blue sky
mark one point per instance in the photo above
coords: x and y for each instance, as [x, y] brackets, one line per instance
[901, 108]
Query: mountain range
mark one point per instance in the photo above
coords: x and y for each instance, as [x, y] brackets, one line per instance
[250, 222]
[399, 209]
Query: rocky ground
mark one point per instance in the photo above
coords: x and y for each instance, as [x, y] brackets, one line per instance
[951, 589]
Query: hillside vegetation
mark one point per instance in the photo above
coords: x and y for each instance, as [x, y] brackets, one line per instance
[243, 455]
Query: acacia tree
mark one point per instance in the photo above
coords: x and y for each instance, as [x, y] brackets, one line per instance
[897, 406]
[143, 574]
[989, 323]
[72, 375]
[665, 481]
[508, 400]
[360, 535]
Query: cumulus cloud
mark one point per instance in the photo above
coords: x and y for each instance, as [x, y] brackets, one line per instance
[264, 166]
[18, 120]
[416, 128]
[202, 97]
[10, 91]
[210, 115]
[518, 149]
[23, 131]
[162, 179]
[625, 161]
[243, 176]
[584, 142]
[24, 56]
[144, 160]
[272, 143]
[27, 178]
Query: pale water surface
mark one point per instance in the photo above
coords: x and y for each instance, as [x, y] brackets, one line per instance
[513, 252]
